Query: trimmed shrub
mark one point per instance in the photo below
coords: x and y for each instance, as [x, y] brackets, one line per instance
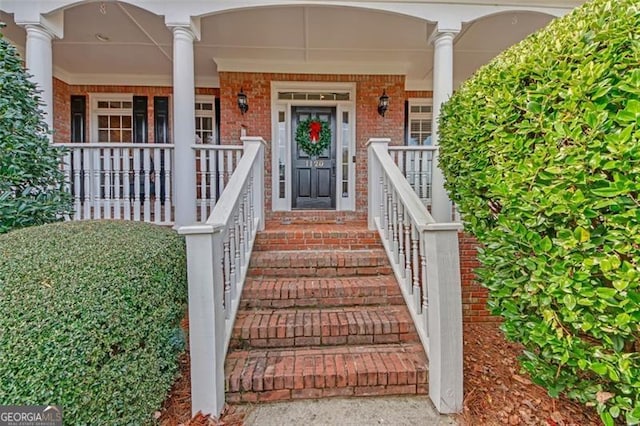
[89, 318]
[541, 152]
[31, 182]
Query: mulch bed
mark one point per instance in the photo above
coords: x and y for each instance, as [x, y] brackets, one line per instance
[496, 392]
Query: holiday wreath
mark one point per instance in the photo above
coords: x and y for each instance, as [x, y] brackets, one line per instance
[313, 136]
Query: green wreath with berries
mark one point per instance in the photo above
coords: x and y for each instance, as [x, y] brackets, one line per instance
[313, 136]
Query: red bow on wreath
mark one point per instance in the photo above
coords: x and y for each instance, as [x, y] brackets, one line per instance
[314, 131]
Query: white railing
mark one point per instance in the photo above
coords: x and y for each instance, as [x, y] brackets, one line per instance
[120, 181]
[416, 163]
[214, 166]
[425, 260]
[218, 254]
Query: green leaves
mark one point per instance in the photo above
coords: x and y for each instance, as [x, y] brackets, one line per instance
[31, 181]
[89, 318]
[551, 130]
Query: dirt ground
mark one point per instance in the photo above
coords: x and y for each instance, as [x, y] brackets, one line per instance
[496, 392]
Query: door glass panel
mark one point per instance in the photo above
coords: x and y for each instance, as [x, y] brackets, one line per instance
[282, 153]
[346, 141]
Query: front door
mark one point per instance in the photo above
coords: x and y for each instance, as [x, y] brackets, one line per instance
[314, 178]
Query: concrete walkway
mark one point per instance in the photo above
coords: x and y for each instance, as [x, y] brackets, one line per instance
[393, 411]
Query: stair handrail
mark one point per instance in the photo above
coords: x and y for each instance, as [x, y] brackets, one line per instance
[218, 254]
[424, 256]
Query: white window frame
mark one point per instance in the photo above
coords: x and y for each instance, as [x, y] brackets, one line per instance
[209, 99]
[419, 116]
[95, 111]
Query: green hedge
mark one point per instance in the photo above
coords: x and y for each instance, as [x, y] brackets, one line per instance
[89, 318]
[541, 152]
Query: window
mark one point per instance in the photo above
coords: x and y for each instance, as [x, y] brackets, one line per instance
[205, 120]
[420, 121]
[113, 118]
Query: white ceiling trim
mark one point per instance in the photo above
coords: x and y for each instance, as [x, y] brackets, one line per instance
[128, 79]
[239, 65]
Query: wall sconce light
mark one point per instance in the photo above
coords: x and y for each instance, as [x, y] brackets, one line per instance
[383, 103]
[242, 102]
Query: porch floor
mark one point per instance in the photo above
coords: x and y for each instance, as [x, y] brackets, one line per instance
[322, 315]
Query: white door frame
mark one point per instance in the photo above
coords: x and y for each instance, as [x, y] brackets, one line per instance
[281, 140]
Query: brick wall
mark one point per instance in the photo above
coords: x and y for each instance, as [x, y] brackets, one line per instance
[257, 120]
[474, 296]
[62, 107]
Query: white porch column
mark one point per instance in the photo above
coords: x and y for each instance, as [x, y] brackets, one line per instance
[184, 129]
[39, 63]
[442, 89]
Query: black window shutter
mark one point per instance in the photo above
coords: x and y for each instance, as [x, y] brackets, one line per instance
[217, 106]
[140, 119]
[161, 118]
[406, 122]
[78, 118]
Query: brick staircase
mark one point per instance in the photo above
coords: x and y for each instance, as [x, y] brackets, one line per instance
[321, 315]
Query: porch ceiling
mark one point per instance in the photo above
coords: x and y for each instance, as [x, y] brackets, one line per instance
[328, 38]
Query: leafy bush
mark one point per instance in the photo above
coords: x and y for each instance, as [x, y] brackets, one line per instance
[31, 182]
[541, 152]
[89, 318]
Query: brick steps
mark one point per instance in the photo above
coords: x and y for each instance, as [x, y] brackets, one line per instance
[319, 263]
[319, 236]
[308, 327]
[301, 292]
[267, 375]
[321, 315]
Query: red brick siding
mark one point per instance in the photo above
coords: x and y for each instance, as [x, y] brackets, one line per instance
[62, 111]
[257, 120]
[474, 296]
[418, 94]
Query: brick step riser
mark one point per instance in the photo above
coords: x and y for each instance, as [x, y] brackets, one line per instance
[317, 240]
[327, 392]
[305, 341]
[324, 272]
[254, 301]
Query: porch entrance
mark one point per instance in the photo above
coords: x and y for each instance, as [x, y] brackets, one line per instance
[314, 178]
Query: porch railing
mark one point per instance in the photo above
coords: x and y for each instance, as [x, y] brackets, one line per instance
[120, 181]
[416, 163]
[425, 260]
[214, 166]
[218, 254]
[135, 181]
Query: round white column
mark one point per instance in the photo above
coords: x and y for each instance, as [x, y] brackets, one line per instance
[39, 63]
[441, 208]
[184, 127]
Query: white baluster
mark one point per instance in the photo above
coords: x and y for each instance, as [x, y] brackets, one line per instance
[401, 257]
[97, 185]
[168, 182]
[126, 182]
[146, 155]
[226, 267]
[394, 225]
[415, 240]
[425, 288]
[87, 177]
[202, 165]
[136, 184]
[107, 182]
[212, 180]
[117, 183]
[77, 186]
[407, 240]
[157, 212]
